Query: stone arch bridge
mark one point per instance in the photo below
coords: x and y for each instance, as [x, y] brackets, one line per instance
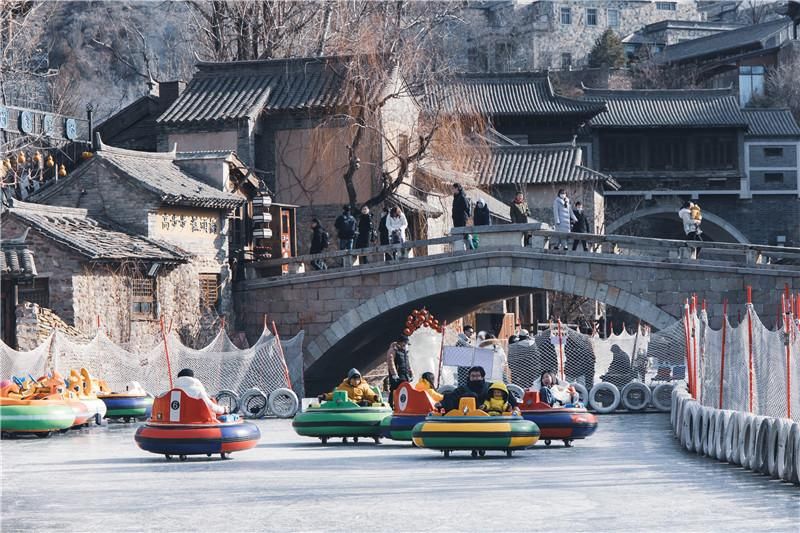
[351, 314]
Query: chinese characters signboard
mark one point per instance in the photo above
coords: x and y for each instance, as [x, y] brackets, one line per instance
[187, 223]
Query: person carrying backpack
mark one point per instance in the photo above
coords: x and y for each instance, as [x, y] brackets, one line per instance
[462, 209]
[319, 243]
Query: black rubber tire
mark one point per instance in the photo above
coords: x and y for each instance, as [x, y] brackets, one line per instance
[447, 453]
[208, 455]
[474, 453]
[548, 442]
[44, 434]
[168, 457]
[482, 453]
[509, 453]
[324, 440]
[567, 443]
[182, 457]
[378, 440]
[98, 419]
[355, 440]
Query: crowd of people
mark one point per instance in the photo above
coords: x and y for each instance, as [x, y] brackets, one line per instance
[361, 232]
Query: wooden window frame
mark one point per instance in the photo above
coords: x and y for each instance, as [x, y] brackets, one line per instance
[209, 289]
[144, 298]
[37, 291]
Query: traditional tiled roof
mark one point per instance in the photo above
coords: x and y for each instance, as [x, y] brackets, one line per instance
[498, 94]
[155, 172]
[228, 91]
[534, 164]
[750, 37]
[92, 238]
[680, 108]
[771, 123]
[16, 259]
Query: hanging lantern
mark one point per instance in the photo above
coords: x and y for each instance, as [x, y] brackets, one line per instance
[50, 163]
[407, 332]
[62, 171]
[86, 155]
[37, 157]
[21, 158]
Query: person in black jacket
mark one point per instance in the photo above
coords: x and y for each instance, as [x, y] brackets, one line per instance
[477, 387]
[383, 232]
[461, 212]
[319, 242]
[482, 216]
[365, 232]
[581, 225]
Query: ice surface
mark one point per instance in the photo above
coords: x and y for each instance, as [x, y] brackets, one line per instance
[630, 476]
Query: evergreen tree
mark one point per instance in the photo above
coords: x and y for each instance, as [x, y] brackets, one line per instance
[608, 50]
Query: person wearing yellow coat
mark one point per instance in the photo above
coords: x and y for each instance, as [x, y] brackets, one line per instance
[357, 390]
[425, 383]
[497, 402]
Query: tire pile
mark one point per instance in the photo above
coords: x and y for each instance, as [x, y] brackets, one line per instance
[770, 446]
[253, 403]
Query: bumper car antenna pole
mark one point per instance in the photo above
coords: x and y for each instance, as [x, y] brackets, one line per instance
[166, 352]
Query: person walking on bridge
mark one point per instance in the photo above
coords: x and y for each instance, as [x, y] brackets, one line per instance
[461, 211]
[581, 225]
[319, 243]
[563, 217]
[365, 232]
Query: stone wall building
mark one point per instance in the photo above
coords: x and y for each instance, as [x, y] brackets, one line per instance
[152, 197]
[539, 35]
[89, 270]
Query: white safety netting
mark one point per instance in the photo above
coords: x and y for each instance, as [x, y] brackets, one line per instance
[748, 364]
[640, 356]
[219, 366]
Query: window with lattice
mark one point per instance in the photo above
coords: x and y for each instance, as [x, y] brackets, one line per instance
[209, 290]
[143, 298]
[37, 291]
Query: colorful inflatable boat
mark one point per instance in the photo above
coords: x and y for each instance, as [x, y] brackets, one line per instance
[468, 428]
[411, 406]
[183, 425]
[22, 411]
[341, 418]
[129, 405]
[557, 423]
[83, 386]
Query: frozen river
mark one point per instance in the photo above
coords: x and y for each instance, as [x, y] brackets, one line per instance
[630, 476]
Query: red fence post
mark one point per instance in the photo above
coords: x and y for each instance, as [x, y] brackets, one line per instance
[786, 341]
[750, 345]
[722, 359]
[687, 338]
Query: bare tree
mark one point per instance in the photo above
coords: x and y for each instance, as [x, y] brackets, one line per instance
[782, 88]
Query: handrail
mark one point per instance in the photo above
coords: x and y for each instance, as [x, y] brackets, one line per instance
[753, 253]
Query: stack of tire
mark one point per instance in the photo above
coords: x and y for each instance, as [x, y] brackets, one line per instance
[762, 444]
[635, 396]
[253, 403]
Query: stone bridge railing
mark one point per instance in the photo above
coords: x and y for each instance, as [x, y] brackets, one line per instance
[541, 239]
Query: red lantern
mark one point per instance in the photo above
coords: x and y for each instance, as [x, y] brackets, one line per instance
[406, 332]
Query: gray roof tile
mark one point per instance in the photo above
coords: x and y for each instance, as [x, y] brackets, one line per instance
[97, 240]
[517, 93]
[750, 37]
[771, 123]
[534, 164]
[681, 108]
[16, 261]
[155, 172]
[244, 89]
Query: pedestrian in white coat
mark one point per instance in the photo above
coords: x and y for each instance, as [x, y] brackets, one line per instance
[562, 216]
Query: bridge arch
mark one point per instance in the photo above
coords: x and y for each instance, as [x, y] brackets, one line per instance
[708, 218]
[361, 332]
